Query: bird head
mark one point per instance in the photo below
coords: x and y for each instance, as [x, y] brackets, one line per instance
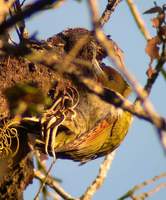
[112, 79]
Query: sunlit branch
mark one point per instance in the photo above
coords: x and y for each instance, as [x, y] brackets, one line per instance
[140, 186]
[53, 184]
[26, 12]
[111, 5]
[138, 19]
[99, 180]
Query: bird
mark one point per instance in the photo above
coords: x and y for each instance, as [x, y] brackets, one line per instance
[78, 124]
[98, 127]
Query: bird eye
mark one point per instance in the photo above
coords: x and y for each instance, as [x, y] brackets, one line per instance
[110, 77]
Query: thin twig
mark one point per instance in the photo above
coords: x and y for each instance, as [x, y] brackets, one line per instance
[93, 5]
[138, 19]
[22, 3]
[41, 167]
[111, 5]
[21, 25]
[44, 180]
[141, 186]
[27, 12]
[150, 192]
[16, 27]
[53, 184]
[99, 180]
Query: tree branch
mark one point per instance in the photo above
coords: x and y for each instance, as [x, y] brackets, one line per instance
[138, 19]
[140, 186]
[27, 12]
[53, 184]
[111, 5]
[99, 180]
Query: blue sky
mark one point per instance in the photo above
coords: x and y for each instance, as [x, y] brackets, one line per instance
[140, 156]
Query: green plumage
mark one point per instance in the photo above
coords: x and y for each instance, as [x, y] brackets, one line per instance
[98, 127]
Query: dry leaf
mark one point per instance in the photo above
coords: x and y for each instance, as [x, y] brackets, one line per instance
[150, 72]
[152, 48]
[155, 9]
[155, 22]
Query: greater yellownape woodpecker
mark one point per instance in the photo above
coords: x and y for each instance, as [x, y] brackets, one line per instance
[97, 127]
[79, 125]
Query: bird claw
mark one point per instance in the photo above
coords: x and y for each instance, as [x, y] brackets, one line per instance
[55, 116]
[49, 131]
